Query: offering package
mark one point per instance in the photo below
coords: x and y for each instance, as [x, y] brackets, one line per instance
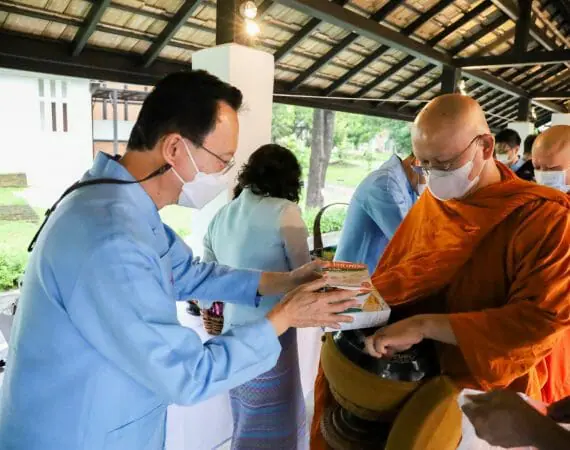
[372, 310]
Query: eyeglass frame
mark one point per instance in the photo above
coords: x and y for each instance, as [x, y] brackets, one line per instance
[448, 165]
[227, 164]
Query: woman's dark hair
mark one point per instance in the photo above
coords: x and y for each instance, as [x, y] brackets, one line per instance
[271, 171]
[185, 103]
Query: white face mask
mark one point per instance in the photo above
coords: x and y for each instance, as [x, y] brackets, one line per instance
[451, 184]
[553, 178]
[204, 188]
[503, 158]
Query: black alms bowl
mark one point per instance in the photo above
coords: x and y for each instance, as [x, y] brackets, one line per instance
[415, 364]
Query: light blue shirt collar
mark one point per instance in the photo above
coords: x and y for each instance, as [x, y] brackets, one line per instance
[105, 166]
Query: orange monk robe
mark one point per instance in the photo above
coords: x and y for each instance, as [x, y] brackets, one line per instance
[498, 263]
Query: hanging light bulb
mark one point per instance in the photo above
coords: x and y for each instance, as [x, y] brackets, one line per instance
[248, 10]
[251, 27]
[462, 87]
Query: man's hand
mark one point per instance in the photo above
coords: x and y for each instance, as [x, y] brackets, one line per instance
[276, 283]
[395, 338]
[560, 411]
[306, 273]
[305, 307]
[504, 419]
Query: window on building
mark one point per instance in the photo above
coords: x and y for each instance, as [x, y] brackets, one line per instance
[54, 114]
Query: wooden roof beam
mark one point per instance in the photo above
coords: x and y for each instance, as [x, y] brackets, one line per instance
[515, 60]
[408, 30]
[177, 21]
[301, 35]
[84, 33]
[378, 16]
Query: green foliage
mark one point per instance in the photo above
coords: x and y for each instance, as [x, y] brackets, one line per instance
[11, 269]
[401, 137]
[332, 219]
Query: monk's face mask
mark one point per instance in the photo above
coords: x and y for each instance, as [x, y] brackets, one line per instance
[452, 184]
[553, 178]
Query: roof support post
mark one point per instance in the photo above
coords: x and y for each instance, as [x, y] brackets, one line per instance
[227, 17]
[523, 114]
[522, 30]
[450, 78]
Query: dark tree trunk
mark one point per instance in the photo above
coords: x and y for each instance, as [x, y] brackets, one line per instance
[321, 149]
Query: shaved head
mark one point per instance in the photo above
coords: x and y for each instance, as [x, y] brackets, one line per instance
[449, 132]
[551, 150]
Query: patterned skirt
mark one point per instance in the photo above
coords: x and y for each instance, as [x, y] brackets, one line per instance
[269, 411]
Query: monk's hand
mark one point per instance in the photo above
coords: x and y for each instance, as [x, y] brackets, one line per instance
[305, 307]
[395, 338]
[503, 418]
[560, 411]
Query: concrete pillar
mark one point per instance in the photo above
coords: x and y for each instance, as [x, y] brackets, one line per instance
[251, 71]
[523, 129]
[560, 119]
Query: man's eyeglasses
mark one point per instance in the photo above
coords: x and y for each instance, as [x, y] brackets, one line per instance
[227, 164]
[452, 163]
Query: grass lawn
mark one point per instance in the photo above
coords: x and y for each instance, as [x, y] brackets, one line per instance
[8, 196]
[352, 171]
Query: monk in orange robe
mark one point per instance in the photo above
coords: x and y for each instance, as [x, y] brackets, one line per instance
[551, 157]
[481, 265]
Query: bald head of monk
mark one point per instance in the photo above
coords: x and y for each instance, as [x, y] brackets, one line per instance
[551, 157]
[452, 141]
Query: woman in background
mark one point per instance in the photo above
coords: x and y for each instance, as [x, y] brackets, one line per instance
[262, 229]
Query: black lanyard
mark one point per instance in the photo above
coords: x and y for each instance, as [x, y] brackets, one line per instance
[80, 184]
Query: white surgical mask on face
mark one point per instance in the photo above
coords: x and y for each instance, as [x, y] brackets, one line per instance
[451, 184]
[553, 178]
[204, 188]
[503, 158]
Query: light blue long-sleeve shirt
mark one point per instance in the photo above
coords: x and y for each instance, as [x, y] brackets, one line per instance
[97, 352]
[376, 209]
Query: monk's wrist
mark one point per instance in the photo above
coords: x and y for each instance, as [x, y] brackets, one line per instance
[436, 327]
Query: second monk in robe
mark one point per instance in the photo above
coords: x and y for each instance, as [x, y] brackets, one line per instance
[481, 265]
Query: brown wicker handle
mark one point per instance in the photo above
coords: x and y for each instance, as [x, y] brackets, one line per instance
[317, 235]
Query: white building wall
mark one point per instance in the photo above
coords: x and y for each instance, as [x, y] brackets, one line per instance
[28, 142]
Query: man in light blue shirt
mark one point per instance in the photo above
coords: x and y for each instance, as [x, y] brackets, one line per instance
[377, 208]
[97, 352]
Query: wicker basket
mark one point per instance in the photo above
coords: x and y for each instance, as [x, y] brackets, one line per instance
[212, 323]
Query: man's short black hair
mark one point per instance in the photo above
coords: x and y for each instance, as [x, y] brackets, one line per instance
[509, 137]
[528, 142]
[185, 103]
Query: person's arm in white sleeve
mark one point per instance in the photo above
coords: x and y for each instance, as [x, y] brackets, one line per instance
[121, 307]
[294, 234]
[386, 205]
